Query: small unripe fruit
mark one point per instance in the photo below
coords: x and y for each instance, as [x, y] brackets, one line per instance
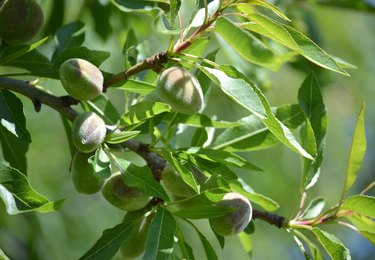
[176, 185]
[180, 89]
[20, 20]
[116, 192]
[83, 174]
[88, 132]
[81, 79]
[135, 244]
[236, 221]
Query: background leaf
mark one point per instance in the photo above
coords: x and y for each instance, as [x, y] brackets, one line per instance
[109, 243]
[19, 196]
[357, 151]
[160, 239]
[203, 212]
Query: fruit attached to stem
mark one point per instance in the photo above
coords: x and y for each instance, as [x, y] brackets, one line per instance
[83, 174]
[235, 221]
[116, 192]
[20, 20]
[180, 89]
[81, 79]
[88, 132]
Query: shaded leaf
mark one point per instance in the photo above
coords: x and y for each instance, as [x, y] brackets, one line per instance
[19, 196]
[120, 137]
[109, 243]
[310, 100]
[103, 106]
[200, 136]
[186, 250]
[246, 242]
[140, 177]
[269, 6]
[201, 120]
[357, 151]
[160, 238]
[137, 86]
[333, 246]
[101, 164]
[203, 212]
[292, 39]
[361, 204]
[69, 35]
[12, 52]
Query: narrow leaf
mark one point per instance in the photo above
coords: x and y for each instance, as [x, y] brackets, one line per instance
[310, 100]
[140, 177]
[137, 86]
[210, 252]
[109, 243]
[103, 106]
[142, 111]
[101, 163]
[269, 6]
[12, 117]
[357, 151]
[245, 44]
[186, 250]
[253, 134]
[242, 91]
[160, 238]
[246, 242]
[292, 39]
[201, 120]
[19, 196]
[203, 212]
[120, 137]
[361, 204]
[3, 256]
[333, 246]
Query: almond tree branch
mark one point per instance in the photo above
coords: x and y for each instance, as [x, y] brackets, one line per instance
[38, 97]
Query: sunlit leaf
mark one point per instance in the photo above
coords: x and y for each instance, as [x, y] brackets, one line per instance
[19, 196]
[245, 44]
[101, 163]
[252, 134]
[333, 246]
[292, 39]
[120, 137]
[357, 151]
[203, 212]
[241, 90]
[142, 111]
[137, 86]
[109, 243]
[314, 208]
[201, 120]
[160, 238]
[361, 204]
[246, 242]
[103, 106]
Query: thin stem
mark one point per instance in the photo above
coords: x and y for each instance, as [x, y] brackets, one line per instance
[369, 187]
[301, 205]
[165, 130]
[348, 225]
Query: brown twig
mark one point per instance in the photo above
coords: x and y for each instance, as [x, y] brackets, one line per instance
[38, 97]
[270, 218]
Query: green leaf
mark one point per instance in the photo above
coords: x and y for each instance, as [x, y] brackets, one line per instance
[101, 163]
[201, 120]
[3, 256]
[357, 151]
[19, 196]
[361, 204]
[269, 6]
[140, 177]
[252, 134]
[203, 212]
[314, 208]
[245, 44]
[136, 86]
[120, 137]
[160, 238]
[69, 35]
[14, 51]
[310, 100]
[243, 188]
[182, 168]
[12, 117]
[175, 7]
[302, 248]
[109, 243]
[365, 225]
[292, 39]
[200, 136]
[210, 252]
[93, 56]
[241, 90]
[369, 235]
[227, 158]
[143, 6]
[212, 7]
[333, 246]
[103, 106]
[186, 250]
[246, 242]
[101, 16]
[142, 111]
[68, 125]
